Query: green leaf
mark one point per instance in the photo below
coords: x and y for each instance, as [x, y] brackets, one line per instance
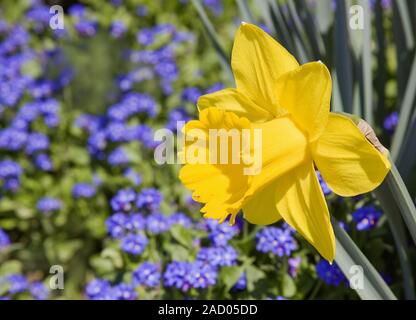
[177, 252]
[325, 15]
[299, 33]
[367, 79]
[385, 196]
[65, 250]
[403, 200]
[10, 267]
[230, 275]
[336, 105]
[311, 29]
[407, 25]
[405, 113]
[253, 275]
[182, 235]
[212, 35]
[114, 255]
[281, 27]
[102, 265]
[77, 155]
[343, 63]
[245, 11]
[407, 159]
[133, 153]
[288, 286]
[32, 68]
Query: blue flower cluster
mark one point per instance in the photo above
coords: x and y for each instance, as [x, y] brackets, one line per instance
[83, 20]
[203, 272]
[18, 134]
[219, 233]
[83, 190]
[10, 173]
[279, 241]
[157, 58]
[48, 205]
[366, 217]
[106, 134]
[147, 274]
[124, 200]
[218, 256]
[137, 218]
[130, 228]
[99, 289]
[4, 240]
[391, 121]
[15, 284]
[186, 275]
[128, 225]
[149, 199]
[330, 273]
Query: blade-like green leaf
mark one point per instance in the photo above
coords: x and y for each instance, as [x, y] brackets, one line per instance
[343, 64]
[403, 200]
[356, 35]
[280, 26]
[299, 30]
[349, 255]
[385, 196]
[381, 71]
[356, 103]
[405, 113]
[267, 16]
[403, 55]
[311, 30]
[367, 85]
[288, 24]
[406, 162]
[325, 15]
[336, 104]
[209, 28]
[245, 11]
[407, 25]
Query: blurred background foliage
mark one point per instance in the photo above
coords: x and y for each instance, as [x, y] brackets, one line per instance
[79, 186]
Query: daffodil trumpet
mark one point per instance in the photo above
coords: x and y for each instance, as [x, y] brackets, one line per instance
[290, 104]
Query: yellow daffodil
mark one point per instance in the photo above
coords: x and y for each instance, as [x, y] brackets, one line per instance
[291, 105]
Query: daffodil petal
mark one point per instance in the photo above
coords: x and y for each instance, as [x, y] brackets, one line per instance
[301, 203]
[348, 162]
[221, 190]
[234, 101]
[220, 186]
[284, 146]
[306, 94]
[258, 61]
[261, 209]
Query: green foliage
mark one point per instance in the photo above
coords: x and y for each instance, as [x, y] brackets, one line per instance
[372, 76]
